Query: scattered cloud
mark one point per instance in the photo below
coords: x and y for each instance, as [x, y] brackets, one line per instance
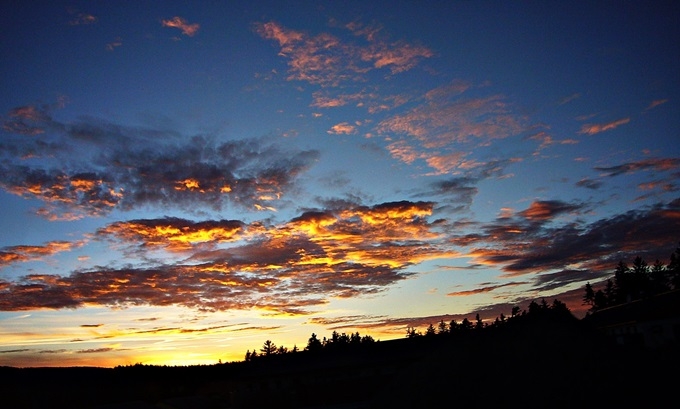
[325, 60]
[180, 23]
[446, 125]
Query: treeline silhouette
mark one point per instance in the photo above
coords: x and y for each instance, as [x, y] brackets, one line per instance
[337, 342]
[635, 282]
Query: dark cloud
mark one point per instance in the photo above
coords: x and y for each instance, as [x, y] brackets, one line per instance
[656, 164]
[520, 246]
[543, 210]
[589, 183]
[91, 167]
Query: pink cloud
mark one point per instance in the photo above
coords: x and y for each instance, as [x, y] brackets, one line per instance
[592, 129]
[180, 23]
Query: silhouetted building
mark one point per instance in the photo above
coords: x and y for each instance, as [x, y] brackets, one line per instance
[651, 322]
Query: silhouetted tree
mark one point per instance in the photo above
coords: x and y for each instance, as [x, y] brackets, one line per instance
[430, 331]
[313, 344]
[411, 332]
[515, 311]
[589, 296]
[453, 326]
[465, 325]
[268, 348]
[442, 328]
[601, 301]
[478, 324]
[673, 269]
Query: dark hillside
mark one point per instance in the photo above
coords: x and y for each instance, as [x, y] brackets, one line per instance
[542, 359]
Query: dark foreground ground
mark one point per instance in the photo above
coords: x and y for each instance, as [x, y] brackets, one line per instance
[540, 364]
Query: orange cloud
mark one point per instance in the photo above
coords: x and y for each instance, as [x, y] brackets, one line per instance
[15, 254]
[343, 128]
[592, 129]
[180, 23]
[174, 234]
[282, 269]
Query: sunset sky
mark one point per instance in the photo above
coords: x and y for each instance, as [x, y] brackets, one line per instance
[182, 180]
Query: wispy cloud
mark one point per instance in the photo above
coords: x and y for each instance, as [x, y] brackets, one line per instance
[483, 289]
[82, 19]
[655, 104]
[655, 164]
[325, 60]
[592, 129]
[446, 125]
[180, 23]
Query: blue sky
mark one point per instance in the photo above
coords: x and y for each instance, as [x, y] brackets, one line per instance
[182, 180]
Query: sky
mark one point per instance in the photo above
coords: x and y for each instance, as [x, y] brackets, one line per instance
[181, 181]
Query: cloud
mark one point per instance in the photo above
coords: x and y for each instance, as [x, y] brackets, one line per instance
[14, 254]
[569, 98]
[592, 129]
[547, 140]
[325, 60]
[114, 44]
[83, 19]
[526, 244]
[655, 104]
[482, 290]
[285, 269]
[343, 128]
[655, 164]
[446, 124]
[174, 234]
[543, 210]
[121, 167]
[589, 183]
[180, 23]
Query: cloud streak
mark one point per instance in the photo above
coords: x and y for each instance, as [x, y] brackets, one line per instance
[592, 129]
